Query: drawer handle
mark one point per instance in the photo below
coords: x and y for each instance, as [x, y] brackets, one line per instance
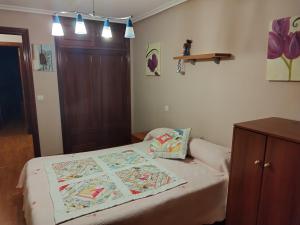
[266, 165]
[257, 162]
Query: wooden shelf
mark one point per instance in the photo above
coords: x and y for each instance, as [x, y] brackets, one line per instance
[216, 57]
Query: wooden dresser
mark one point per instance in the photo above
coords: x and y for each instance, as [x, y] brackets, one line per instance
[138, 137]
[264, 186]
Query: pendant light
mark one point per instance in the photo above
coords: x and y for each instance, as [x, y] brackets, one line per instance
[80, 26]
[56, 27]
[129, 32]
[106, 31]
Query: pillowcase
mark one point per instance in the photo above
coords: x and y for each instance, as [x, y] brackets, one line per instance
[213, 155]
[172, 144]
[156, 133]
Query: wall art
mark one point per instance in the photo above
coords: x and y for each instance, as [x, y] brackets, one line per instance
[283, 62]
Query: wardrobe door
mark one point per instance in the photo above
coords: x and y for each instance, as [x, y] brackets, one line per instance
[245, 177]
[115, 99]
[94, 87]
[95, 99]
[79, 103]
[280, 199]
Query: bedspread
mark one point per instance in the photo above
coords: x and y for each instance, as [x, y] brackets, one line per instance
[84, 184]
[202, 200]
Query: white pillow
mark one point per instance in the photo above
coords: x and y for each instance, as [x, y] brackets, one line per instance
[213, 155]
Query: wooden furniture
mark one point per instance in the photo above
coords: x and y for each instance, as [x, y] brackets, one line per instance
[94, 87]
[264, 186]
[138, 137]
[216, 57]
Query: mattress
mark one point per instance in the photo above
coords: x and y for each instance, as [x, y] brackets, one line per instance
[202, 200]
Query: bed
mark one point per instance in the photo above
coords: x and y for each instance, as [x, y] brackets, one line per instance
[201, 200]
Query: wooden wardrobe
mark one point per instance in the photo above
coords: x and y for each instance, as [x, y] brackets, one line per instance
[264, 186]
[94, 87]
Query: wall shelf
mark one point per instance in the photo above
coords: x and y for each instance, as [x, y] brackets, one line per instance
[216, 57]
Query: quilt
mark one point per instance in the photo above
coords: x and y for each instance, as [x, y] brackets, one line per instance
[83, 184]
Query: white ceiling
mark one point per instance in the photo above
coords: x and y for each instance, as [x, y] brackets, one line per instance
[139, 9]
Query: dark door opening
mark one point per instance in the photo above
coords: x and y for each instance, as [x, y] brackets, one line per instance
[12, 113]
[28, 96]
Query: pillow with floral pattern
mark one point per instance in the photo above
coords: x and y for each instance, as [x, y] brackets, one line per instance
[156, 133]
[172, 144]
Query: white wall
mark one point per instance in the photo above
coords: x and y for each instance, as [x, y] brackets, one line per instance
[210, 98]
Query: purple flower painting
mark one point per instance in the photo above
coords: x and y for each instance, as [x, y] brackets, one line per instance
[153, 59]
[152, 63]
[284, 44]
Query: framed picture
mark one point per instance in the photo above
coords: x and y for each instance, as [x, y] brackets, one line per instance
[153, 59]
[283, 63]
[44, 57]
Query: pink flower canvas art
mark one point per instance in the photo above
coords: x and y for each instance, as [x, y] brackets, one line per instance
[284, 50]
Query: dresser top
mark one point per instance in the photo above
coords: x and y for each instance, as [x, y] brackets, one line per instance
[278, 127]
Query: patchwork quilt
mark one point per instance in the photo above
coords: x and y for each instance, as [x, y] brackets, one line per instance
[87, 183]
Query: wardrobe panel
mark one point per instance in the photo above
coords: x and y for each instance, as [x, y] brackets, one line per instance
[245, 177]
[115, 98]
[280, 201]
[94, 88]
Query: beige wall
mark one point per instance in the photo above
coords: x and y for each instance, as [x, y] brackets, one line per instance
[10, 38]
[210, 97]
[45, 83]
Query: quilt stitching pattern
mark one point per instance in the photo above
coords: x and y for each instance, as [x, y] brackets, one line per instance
[87, 193]
[121, 159]
[75, 169]
[143, 178]
[80, 186]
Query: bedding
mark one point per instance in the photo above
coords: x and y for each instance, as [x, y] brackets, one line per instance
[156, 132]
[213, 155]
[83, 185]
[172, 144]
[201, 200]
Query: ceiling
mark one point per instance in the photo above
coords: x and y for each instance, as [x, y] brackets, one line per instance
[139, 9]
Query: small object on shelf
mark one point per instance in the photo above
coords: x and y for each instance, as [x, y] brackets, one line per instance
[180, 67]
[216, 57]
[187, 47]
[138, 137]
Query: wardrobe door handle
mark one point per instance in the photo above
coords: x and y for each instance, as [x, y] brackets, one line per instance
[267, 164]
[257, 162]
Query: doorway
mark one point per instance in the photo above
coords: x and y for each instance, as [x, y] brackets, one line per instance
[12, 111]
[19, 139]
[17, 105]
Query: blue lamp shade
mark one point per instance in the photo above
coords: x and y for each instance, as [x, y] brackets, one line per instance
[129, 32]
[56, 27]
[80, 26]
[106, 31]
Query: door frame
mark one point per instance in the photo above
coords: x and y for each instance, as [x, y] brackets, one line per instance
[27, 83]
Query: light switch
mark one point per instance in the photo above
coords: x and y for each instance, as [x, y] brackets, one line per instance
[166, 108]
[40, 97]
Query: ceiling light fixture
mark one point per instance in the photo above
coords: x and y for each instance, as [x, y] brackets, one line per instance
[56, 27]
[106, 31]
[80, 28]
[129, 32]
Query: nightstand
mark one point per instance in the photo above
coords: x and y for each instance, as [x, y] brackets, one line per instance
[138, 137]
